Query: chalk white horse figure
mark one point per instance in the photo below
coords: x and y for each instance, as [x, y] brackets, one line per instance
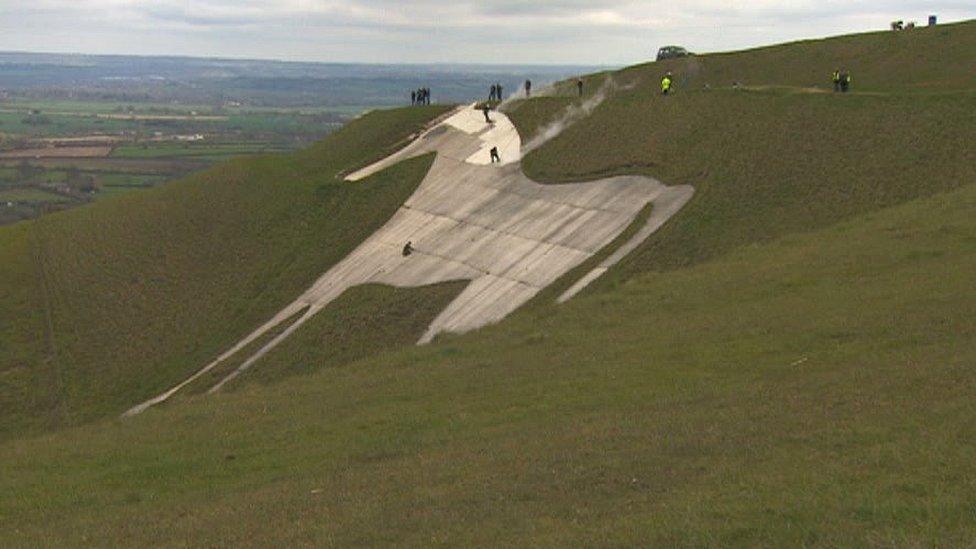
[473, 220]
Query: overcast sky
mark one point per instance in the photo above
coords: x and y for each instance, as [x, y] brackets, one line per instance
[612, 32]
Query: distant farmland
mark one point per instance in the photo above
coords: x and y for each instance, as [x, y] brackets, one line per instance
[92, 127]
[59, 152]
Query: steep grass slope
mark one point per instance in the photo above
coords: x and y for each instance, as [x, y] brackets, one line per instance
[103, 306]
[932, 59]
[157, 285]
[788, 363]
[769, 161]
[935, 59]
[815, 390]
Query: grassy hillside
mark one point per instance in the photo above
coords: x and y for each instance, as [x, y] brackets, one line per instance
[363, 322]
[769, 161]
[107, 305]
[936, 59]
[786, 161]
[787, 363]
[815, 390]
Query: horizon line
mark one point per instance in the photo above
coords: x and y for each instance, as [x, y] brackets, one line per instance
[297, 62]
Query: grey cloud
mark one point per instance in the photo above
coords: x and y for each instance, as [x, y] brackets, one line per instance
[552, 31]
[182, 17]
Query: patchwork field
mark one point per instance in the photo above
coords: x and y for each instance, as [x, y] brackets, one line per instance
[30, 195]
[167, 141]
[58, 152]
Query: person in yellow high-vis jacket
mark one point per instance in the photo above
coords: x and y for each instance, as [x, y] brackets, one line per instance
[666, 84]
[845, 81]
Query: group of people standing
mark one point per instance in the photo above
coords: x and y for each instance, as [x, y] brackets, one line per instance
[496, 93]
[420, 97]
[842, 81]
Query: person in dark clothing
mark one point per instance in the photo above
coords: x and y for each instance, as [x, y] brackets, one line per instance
[579, 86]
[413, 97]
[494, 155]
[493, 94]
[486, 109]
[498, 89]
[528, 88]
[407, 249]
[836, 78]
[845, 81]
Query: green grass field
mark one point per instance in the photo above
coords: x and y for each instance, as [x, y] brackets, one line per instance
[124, 179]
[68, 118]
[96, 107]
[207, 150]
[921, 61]
[30, 195]
[60, 125]
[111, 185]
[815, 390]
[116, 107]
[364, 322]
[774, 162]
[231, 134]
[230, 246]
[787, 363]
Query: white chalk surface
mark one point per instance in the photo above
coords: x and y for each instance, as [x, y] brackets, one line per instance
[486, 223]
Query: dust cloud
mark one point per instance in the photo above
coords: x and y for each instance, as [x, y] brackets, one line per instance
[571, 115]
